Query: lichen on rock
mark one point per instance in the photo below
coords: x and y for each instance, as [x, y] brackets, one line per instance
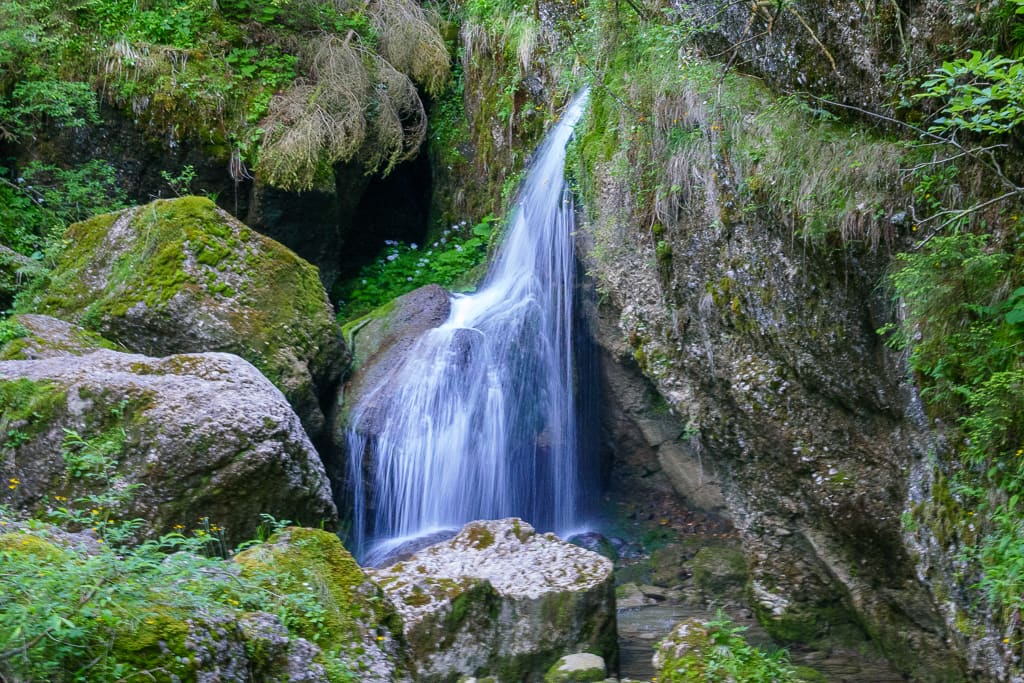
[501, 599]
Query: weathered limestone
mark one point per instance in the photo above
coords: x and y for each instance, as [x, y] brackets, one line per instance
[202, 435]
[500, 599]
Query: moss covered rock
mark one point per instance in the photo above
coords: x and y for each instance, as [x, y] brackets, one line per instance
[349, 616]
[46, 337]
[576, 668]
[499, 599]
[183, 276]
[170, 441]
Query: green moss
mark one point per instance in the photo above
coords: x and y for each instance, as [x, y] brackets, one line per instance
[303, 559]
[158, 644]
[480, 537]
[33, 546]
[27, 407]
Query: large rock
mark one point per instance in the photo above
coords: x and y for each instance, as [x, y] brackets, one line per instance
[500, 599]
[202, 435]
[182, 276]
[380, 341]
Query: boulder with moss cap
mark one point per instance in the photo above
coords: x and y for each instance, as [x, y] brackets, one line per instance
[183, 276]
[356, 621]
[500, 599]
[198, 435]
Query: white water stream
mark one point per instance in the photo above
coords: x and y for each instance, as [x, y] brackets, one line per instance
[481, 420]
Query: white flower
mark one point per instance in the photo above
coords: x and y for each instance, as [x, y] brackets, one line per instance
[414, 246]
[409, 279]
[392, 257]
[443, 240]
[458, 247]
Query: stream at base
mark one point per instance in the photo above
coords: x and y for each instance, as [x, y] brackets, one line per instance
[640, 629]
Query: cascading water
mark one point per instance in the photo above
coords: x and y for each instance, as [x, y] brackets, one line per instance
[480, 420]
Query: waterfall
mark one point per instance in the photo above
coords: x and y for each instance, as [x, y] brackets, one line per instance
[480, 420]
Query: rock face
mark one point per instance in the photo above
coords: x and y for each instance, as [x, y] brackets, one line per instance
[847, 49]
[501, 600]
[202, 435]
[182, 276]
[765, 349]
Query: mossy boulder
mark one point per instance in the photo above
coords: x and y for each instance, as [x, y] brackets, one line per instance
[183, 276]
[173, 440]
[351, 616]
[499, 599]
[582, 667]
[47, 337]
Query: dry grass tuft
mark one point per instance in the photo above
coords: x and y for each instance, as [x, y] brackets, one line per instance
[409, 39]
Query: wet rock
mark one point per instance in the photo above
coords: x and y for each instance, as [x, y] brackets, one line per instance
[501, 598]
[629, 595]
[380, 342]
[720, 572]
[595, 543]
[200, 435]
[182, 276]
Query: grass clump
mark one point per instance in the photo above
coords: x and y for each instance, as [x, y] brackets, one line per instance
[704, 652]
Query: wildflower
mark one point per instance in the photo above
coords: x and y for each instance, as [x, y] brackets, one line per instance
[380, 638]
[414, 246]
[392, 257]
[458, 247]
[408, 279]
[94, 512]
[443, 240]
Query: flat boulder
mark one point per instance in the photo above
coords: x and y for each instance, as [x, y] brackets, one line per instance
[170, 441]
[183, 276]
[500, 599]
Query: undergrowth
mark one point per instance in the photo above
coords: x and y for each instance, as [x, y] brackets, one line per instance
[82, 598]
[403, 267]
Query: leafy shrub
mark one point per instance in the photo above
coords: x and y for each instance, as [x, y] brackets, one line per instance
[707, 652]
[402, 268]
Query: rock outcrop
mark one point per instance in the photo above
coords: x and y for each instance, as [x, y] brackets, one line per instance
[182, 276]
[183, 438]
[501, 600]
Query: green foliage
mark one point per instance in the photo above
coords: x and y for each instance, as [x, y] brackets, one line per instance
[983, 94]
[110, 609]
[402, 268]
[200, 69]
[963, 302]
[37, 206]
[716, 651]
